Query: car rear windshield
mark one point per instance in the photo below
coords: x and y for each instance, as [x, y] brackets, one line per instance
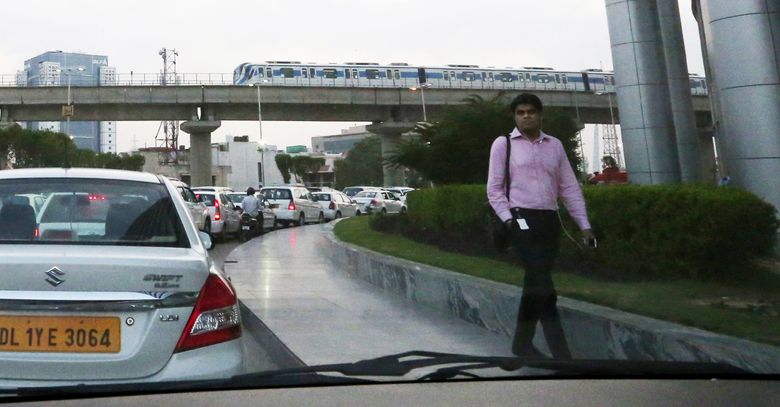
[366, 194]
[321, 197]
[277, 193]
[89, 212]
[352, 191]
[207, 199]
[237, 198]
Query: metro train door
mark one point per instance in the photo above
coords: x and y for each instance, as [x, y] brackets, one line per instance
[309, 77]
[351, 77]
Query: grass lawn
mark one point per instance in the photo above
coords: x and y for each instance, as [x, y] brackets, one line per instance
[749, 309]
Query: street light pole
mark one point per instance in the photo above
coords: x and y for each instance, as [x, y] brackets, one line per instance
[422, 97]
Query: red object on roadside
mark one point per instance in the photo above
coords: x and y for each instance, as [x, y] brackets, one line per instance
[609, 176]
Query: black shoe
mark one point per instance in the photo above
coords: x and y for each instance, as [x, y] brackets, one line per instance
[529, 352]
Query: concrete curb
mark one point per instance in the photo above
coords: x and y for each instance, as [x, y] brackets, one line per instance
[593, 331]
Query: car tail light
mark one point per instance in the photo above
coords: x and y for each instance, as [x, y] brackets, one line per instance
[215, 318]
[332, 205]
[37, 232]
[291, 206]
[217, 211]
[373, 202]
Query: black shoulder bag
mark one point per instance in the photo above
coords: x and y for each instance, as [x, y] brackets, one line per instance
[500, 233]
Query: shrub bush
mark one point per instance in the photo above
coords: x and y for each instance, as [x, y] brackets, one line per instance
[644, 231]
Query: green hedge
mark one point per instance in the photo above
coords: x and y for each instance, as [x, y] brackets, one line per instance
[643, 231]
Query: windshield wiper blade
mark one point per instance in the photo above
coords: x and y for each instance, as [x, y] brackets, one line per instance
[402, 363]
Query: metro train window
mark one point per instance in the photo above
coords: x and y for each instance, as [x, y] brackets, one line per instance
[565, 79]
[397, 74]
[287, 72]
[468, 76]
[484, 76]
[389, 74]
[355, 74]
[557, 78]
[329, 73]
[446, 76]
[268, 72]
[452, 75]
[260, 72]
[346, 73]
[305, 73]
[490, 76]
[312, 73]
[505, 77]
[372, 73]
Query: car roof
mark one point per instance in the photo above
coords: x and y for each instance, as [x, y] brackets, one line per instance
[99, 173]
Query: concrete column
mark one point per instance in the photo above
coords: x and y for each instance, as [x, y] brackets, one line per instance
[642, 91]
[390, 134]
[200, 149]
[742, 42]
[681, 105]
[392, 176]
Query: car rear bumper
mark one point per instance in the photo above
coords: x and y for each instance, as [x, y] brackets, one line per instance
[329, 214]
[285, 215]
[219, 361]
[217, 226]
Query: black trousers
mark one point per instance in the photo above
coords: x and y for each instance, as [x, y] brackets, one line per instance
[537, 248]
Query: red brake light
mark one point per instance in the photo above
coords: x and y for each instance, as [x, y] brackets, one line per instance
[215, 318]
[332, 205]
[291, 206]
[218, 211]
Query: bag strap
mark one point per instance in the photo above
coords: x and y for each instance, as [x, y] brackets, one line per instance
[507, 180]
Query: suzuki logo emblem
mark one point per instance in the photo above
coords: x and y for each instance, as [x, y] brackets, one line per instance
[55, 276]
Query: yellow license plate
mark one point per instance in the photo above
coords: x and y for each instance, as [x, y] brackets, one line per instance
[59, 334]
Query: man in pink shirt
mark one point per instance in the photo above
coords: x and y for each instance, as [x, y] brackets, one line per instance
[539, 173]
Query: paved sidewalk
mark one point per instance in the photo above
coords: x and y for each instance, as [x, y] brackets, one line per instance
[323, 315]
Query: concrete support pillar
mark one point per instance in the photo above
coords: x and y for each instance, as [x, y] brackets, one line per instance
[390, 134]
[681, 103]
[392, 176]
[742, 42]
[642, 91]
[200, 149]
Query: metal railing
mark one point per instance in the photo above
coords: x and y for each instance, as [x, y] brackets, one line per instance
[144, 79]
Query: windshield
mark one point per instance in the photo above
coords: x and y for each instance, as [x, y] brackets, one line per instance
[275, 193]
[562, 188]
[352, 191]
[88, 212]
[207, 199]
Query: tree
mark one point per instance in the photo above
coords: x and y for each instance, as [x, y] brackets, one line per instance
[303, 164]
[284, 164]
[362, 166]
[456, 149]
[32, 148]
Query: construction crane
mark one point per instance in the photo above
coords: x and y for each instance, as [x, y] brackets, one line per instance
[168, 141]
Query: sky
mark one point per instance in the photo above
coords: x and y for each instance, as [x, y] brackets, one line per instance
[214, 37]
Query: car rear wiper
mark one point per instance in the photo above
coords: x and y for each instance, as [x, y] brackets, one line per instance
[403, 363]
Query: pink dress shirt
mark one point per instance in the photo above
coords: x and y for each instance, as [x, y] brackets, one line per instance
[540, 174]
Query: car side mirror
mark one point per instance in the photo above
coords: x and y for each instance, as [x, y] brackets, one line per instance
[206, 239]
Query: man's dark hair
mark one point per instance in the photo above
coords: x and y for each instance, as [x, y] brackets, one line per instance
[526, 99]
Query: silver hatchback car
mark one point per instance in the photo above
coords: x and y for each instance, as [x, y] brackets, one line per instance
[109, 282]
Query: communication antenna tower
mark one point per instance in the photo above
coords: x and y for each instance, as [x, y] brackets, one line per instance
[611, 143]
[168, 142]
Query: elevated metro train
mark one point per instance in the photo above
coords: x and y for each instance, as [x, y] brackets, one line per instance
[402, 75]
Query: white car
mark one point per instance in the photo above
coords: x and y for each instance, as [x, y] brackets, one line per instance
[336, 205]
[133, 297]
[379, 202]
[224, 217]
[198, 211]
[295, 205]
[352, 191]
